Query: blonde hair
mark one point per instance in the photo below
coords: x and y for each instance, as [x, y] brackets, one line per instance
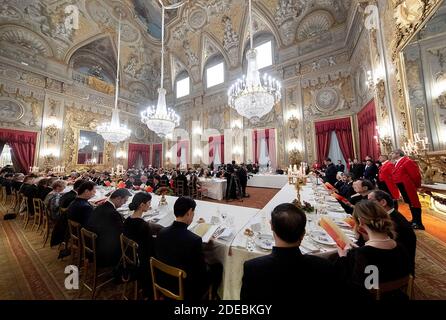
[374, 217]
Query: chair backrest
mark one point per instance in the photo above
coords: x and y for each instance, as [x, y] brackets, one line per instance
[156, 265]
[404, 285]
[37, 206]
[179, 188]
[75, 232]
[89, 245]
[129, 250]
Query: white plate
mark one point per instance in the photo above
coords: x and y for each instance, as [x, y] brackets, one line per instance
[322, 238]
[265, 241]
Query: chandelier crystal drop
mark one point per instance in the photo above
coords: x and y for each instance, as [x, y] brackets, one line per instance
[253, 96]
[161, 119]
[113, 131]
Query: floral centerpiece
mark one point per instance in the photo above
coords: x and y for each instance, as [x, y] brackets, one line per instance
[121, 185]
[306, 207]
[163, 191]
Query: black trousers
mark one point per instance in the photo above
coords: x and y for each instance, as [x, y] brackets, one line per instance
[416, 212]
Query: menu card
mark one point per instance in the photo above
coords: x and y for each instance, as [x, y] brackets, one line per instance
[341, 198]
[334, 232]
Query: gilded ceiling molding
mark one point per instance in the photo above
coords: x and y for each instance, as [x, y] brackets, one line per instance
[410, 16]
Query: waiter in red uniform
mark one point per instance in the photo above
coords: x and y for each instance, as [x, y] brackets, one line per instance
[386, 181]
[407, 177]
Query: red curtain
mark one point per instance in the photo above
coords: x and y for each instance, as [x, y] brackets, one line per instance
[23, 147]
[213, 143]
[157, 155]
[342, 128]
[255, 140]
[182, 144]
[136, 150]
[270, 141]
[367, 131]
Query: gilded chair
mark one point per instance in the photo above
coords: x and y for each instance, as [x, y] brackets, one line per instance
[405, 285]
[91, 275]
[160, 292]
[74, 229]
[130, 262]
[37, 203]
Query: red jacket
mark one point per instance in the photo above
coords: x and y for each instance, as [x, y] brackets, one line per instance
[408, 173]
[385, 175]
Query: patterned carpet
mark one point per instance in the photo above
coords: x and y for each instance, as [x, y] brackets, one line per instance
[30, 272]
[258, 198]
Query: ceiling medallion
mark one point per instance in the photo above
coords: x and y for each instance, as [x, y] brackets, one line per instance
[197, 18]
[327, 99]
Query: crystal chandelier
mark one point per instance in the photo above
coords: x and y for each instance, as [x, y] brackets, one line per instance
[159, 118]
[253, 96]
[114, 132]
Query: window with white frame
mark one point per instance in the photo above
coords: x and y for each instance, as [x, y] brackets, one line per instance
[264, 54]
[183, 87]
[215, 75]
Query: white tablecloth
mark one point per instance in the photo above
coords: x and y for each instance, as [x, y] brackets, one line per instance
[275, 181]
[214, 188]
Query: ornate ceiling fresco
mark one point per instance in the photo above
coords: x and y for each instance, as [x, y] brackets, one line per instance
[204, 28]
[37, 27]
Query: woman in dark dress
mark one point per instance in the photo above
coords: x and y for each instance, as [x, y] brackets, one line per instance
[143, 234]
[380, 250]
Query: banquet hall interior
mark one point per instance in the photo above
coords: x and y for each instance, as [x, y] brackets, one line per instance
[129, 128]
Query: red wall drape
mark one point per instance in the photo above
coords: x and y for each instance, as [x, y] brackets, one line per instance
[343, 129]
[157, 155]
[213, 142]
[135, 150]
[182, 144]
[23, 147]
[368, 132]
[270, 138]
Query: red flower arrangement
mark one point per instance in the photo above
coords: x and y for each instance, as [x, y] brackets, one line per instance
[121, 185]
[149, 189]
[107, 183]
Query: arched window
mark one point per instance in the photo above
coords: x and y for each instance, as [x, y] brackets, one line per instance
[264, 44]
[215, 71]
[182, 85]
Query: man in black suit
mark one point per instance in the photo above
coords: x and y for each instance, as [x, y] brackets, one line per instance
[243, 177]
[405, 233]
[181, 248]
[80, 209]
[287, 274]
[107, 223]
[370, 171]
[357, 169]
[340, 167]
[330, 172]
[29, 190]
[68, 197]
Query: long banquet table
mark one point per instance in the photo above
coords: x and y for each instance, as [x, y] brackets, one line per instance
[236, 248]
[275, 181]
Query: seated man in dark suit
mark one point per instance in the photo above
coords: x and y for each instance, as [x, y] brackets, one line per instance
[107, 223]
[29, 190]
[80, 209]
[287, 274]
[405, 234]
[68, 197]
[181, 248]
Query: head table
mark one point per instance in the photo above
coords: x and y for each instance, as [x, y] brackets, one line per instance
[235, 247]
